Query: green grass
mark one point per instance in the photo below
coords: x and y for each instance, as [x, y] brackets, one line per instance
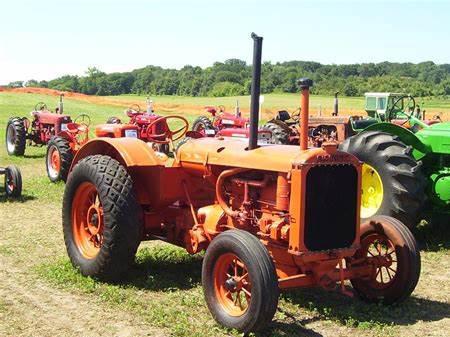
[164, 286]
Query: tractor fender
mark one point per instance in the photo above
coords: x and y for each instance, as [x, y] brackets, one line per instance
[128, 151]
[406, 136]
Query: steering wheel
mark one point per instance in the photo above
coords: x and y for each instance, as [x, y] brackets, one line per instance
[409, 107]
[221, 108]
[40, 106]
[169, 135]
[83, 119]
[134, 107]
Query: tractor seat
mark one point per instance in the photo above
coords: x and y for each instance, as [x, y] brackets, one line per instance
[363, 123]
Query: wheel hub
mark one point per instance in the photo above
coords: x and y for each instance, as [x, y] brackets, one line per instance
[231, 284]
[372, 191]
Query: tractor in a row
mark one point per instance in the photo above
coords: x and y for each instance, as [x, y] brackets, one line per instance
[227, 124]
[270, 217]
[146, 126]
[406, 171]
[44, 125]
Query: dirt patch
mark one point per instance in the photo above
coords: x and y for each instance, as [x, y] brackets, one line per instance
[35, 309]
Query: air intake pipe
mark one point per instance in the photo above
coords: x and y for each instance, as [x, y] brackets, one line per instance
[305, 84]
[255, 92]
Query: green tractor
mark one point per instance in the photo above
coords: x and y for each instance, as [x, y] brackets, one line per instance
[407, 159]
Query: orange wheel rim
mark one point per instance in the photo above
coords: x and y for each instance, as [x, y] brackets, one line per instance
[382, 252]
[56, 160]
[87, 220]
[232, 284]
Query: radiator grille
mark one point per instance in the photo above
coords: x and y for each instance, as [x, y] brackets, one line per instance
[330, 219]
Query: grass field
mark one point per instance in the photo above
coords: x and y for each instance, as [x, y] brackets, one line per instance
[42, 295]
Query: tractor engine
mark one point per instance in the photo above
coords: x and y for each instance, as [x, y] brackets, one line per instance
[46, 124]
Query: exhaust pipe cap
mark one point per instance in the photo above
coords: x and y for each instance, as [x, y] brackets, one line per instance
[305, 83]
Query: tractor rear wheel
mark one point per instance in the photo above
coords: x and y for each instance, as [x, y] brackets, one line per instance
[58, 159]
[13, 182]
[204, 125]
[113, 120]
[279, 134]
[101, 218]
[239, 281]
[16, 136]
[392, 180]
[388, 246]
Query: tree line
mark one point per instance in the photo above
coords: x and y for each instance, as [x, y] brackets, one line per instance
[233, 77]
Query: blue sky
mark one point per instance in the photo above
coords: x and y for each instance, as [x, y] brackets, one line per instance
[42, 39]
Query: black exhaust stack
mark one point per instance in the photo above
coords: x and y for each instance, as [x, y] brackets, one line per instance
[255, 92]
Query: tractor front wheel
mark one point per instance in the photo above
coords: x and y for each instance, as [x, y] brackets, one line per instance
[392, 180]
[16, 137]
[58, 159]
[279, 134]
[240, 282]
[101, 218]
[204, 125]
[13, 182]
[390, 249]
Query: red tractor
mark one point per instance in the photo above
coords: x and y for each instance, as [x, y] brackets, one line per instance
[43, 126]
[226, 124]
[270, 217]
[13, 181]
[148, 127]
[158, 132]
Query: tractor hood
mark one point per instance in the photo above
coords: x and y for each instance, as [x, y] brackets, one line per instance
[233, 152]
[437, 136]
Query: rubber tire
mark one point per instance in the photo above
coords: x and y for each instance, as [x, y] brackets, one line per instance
[403, 181]
[205, 122]
[65, 154]
[113, 120]
[122, 218]
[21, 136]
[265, 291]
[13, 172]
[408, 262]
[279, 135]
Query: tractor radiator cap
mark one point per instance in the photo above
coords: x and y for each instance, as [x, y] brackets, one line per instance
[305, 83]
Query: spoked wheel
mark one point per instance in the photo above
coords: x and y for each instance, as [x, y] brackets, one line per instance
[101, 218]
[13, 182]
[232, 284]
[58, 159]
[239, 281]
[87, 220]
[390, 249]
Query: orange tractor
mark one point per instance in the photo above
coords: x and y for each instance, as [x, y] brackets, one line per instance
[270, 217]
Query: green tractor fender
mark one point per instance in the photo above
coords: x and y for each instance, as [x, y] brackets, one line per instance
[406, 136]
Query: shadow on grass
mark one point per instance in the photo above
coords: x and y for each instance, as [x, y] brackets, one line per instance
[356, 313]
[23, 198]
[164, 268]
[290, 326]
[34, 156]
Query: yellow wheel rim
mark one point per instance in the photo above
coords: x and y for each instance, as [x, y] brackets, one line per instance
[372, 191]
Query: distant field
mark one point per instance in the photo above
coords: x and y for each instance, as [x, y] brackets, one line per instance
[272, 103]
[42, 295]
